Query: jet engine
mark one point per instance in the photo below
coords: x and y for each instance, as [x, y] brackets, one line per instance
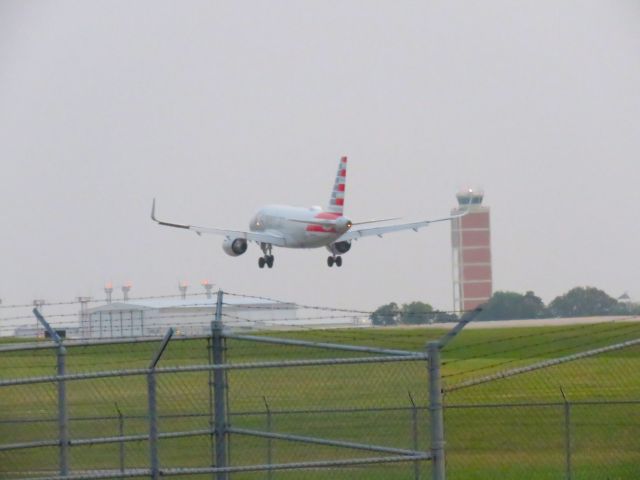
[339, 247]
[234, 246]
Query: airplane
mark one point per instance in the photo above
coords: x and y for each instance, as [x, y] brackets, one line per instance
[303, 227]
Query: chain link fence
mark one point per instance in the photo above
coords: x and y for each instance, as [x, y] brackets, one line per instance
[226, 406]
[537, 404]
[575, 416]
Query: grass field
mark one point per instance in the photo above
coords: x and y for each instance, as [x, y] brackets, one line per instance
[512, 428]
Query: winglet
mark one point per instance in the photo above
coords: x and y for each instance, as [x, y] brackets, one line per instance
[459, 214]
[464, 211]
[160, 222]
[153, 211]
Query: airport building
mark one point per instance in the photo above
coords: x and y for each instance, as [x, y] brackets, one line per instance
[186, 314]
[153, 317]
[471, 250]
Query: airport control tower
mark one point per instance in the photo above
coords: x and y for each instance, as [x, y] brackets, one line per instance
[471, 249]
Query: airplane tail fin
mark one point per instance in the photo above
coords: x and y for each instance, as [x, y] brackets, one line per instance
[336, 203]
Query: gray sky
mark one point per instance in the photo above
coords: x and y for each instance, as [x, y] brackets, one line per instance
[218, 107]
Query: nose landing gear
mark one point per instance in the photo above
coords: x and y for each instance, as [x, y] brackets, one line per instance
[337, 260]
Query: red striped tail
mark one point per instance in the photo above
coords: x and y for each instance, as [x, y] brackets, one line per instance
[336, 204]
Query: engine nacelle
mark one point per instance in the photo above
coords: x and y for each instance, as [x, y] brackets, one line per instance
[339, 247]
[234, 246]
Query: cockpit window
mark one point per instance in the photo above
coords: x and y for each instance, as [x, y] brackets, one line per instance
[257, 221]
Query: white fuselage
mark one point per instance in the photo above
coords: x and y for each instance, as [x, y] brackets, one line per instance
[296, 225]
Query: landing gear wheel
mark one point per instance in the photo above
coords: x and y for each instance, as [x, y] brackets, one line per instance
[338, 261]
[261, 262]
[330, 261]
[269, 259]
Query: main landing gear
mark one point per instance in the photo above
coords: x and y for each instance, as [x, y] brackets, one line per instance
[267, 259]
[337, 260]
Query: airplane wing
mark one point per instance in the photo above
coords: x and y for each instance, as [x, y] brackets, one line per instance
[356, 233]
[260, 237]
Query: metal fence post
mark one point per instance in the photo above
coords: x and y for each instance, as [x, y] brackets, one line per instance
[63, 420]
[153, 408]
[567, 434]
[219, 395]
[153, 425]
[121, 434]
[436, 412]
[435, 394]
[212, 418]
[269, 440]
[414, 432]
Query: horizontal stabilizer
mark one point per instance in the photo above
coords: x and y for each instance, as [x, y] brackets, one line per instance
[377, 221]
[323, 223]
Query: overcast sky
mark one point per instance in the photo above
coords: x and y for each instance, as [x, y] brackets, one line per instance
[218, 107]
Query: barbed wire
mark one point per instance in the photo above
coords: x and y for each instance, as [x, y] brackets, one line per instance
[526, 335]
[311, 307]
[127, 315]
[581, 328]
[100, 300]
[324, 308]
[395, 338]
[288, 318]
[273, 302]
[339, 333]
[139, 326]
[538, 354]
[139, 322]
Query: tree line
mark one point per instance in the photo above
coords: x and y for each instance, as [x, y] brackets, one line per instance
[505, 305]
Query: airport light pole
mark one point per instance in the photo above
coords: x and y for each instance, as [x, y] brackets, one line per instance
[183, 286]
[108, 291]
[126, 288]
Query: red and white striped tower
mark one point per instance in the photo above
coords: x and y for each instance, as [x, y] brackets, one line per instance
[471, 248]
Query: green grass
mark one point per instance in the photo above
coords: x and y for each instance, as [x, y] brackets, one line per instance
[525, 440]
